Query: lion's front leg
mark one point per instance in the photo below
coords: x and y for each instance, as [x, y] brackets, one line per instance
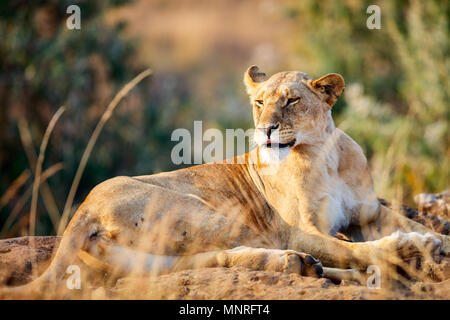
[405, 251]
[409, 245]
[411, 254]
[389, 221]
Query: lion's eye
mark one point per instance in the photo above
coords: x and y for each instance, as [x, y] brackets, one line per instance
[259, 103]
[292, 101]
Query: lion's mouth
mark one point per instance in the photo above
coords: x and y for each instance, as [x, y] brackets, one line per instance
[270, 144]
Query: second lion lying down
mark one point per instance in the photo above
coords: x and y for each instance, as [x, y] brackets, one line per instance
[276, 208]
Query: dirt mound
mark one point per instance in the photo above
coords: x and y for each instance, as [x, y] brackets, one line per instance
[19, 257]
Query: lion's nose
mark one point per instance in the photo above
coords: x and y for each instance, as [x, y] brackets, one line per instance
[270, 129]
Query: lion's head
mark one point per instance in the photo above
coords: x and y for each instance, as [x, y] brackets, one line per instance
[290, 108]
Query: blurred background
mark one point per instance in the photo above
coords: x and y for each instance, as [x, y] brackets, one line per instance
[395, 104]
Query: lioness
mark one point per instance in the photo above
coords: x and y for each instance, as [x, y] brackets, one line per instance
[223, 215]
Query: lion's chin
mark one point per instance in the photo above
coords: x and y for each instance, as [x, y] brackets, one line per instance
[273, 154]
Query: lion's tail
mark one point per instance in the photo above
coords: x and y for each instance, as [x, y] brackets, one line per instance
[74, 238]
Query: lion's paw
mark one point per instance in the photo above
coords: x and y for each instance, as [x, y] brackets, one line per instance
[302, 263]
[413, 244]
[288, 261]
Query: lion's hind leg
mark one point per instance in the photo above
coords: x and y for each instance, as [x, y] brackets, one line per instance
[278, 260]
[123, 260]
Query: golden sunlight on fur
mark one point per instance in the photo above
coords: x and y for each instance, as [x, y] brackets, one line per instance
[243, 215]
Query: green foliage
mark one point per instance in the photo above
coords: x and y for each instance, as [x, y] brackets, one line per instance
[395, 104]
[396, 101]
[45, 65]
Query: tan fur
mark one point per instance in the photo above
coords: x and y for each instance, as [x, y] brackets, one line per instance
[194, 217]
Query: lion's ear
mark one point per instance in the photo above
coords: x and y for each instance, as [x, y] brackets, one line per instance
[330, 87]
[252, 78]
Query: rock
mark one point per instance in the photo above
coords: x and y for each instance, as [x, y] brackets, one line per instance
[22, 259]
[433, 211]
[434, 204]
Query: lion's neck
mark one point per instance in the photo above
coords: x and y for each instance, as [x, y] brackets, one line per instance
[295, 184]
[304, 164]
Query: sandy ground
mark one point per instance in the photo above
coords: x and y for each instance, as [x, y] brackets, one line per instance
[21, 260]
[240, 283]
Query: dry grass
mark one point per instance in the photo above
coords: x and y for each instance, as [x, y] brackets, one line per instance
[38, 171]
[93, 139]
[190, 40]
[59, 222]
